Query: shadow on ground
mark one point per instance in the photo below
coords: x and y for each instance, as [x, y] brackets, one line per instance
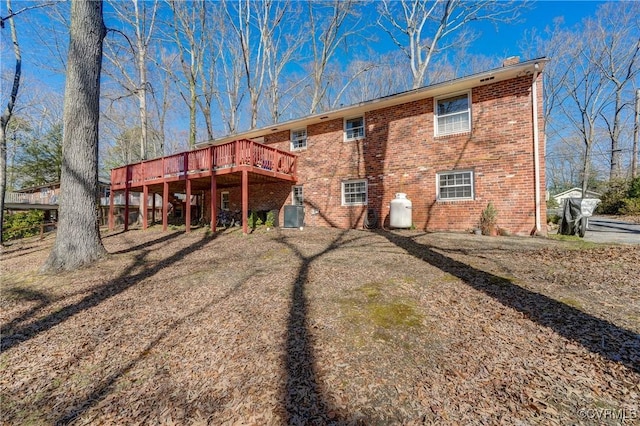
[19, 330]
[305, 400]
[597, 335]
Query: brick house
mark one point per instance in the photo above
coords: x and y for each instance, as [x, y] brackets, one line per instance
[452, 147]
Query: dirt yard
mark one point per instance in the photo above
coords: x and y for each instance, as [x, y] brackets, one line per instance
[323, 327]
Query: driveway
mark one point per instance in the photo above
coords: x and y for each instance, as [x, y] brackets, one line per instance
[607, 230]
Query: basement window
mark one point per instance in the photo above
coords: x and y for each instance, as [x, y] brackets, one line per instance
[297, 196]
[456, 185]
[354, 192]
[453, 114]
[224, 200]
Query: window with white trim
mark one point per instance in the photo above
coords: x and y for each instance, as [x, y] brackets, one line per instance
[354, 192]
[298, 139]
[455, 185]
[353, 128]
[453, 114]
[297, 196]
[224, 200]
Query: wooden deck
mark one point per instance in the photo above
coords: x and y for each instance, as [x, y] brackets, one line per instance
[231, 157]
[237, 163]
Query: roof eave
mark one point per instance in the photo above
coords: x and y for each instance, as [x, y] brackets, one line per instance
[435, 90]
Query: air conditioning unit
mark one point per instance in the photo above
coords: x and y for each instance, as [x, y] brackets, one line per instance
[293, 216]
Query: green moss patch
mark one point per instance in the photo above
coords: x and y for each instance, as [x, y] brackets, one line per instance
[374, 304]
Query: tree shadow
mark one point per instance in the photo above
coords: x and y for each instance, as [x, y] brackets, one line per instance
[15, 332]
[46, 300]
[111, 234]
[594, 334]
[104, 388]
[6, 255]
[304, 399]
[165, 237]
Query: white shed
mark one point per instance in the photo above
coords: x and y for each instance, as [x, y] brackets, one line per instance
[574, 193]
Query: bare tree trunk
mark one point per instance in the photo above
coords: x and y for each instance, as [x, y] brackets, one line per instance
[142, 21]
[265, 17]
[326, 37]
[636, 131]
[190, 23]
[433, 26]
[78, 239]
[615, 169]
[586, 170]
[229, 66]
[142, 44]
[6, 116]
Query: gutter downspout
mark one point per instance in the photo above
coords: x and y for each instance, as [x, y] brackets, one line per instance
[536, 144]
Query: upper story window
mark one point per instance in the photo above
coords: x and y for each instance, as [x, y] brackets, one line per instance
[354, 128]
[455, 185]
[453, 114]
[298, 139]
[354, 192]
[297, 196]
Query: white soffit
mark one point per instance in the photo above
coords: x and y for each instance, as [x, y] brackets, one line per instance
[439, 89]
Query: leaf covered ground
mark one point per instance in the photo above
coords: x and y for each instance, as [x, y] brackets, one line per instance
[323, 326]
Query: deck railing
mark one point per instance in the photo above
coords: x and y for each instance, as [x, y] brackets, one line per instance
[43, 198]
[232, 154]
[134, 200]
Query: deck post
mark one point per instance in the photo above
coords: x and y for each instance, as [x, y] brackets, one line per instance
[111, 202]
[126, 207]
[214, 213]
[153, 208]
[145, 200]
[245, 201]
[165, 206]
[185, 164]
[187, 214]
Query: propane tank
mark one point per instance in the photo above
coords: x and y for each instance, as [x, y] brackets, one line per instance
[400, 214]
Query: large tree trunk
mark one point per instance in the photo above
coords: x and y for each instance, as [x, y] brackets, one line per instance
[78, 239]
[6, 116]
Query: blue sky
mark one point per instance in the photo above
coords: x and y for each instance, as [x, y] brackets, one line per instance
[500, 41]
[493, 42]
[503, 41]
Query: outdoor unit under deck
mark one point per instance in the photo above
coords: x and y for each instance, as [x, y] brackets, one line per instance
[293, 216]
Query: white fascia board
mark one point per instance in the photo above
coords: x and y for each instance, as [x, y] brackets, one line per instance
[435, 90]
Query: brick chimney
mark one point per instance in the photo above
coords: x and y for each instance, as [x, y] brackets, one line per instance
[511, 60]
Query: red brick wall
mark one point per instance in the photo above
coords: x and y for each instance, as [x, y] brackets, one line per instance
[271, 196]
[401, 154]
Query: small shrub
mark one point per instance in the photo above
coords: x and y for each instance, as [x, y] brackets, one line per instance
[554, 218]
[634, 188]
[488, 219]
[22, 225]
[630, 206]
[271, 219]
[254, 219]
[611, 200]
[621, 197]
[552, 203]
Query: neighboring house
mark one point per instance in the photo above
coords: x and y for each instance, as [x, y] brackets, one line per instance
[46, 198]
[41, 197]
[574, 193]
[452, 147]
[154, 208]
